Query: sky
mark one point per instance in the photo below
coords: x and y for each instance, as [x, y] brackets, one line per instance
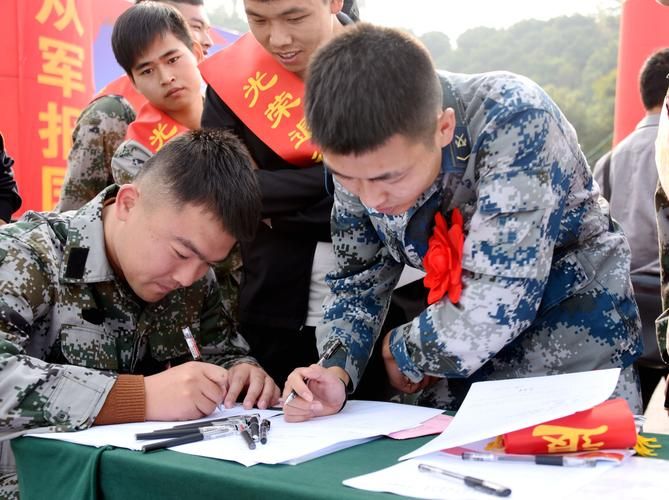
[453, 18]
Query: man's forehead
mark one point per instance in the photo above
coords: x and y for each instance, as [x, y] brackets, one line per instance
[192, 12]
[283, 4]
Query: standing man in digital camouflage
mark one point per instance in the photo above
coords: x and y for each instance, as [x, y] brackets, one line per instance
[102, 125]
[93, 302]
[545, 285]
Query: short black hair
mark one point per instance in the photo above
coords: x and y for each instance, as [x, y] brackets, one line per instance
[212, 169]
[139, 26]
[653, 81]
[368, 84]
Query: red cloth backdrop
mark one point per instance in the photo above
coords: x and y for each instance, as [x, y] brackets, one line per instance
[46, 79]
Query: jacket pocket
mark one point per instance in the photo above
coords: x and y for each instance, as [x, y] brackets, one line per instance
[89, 347]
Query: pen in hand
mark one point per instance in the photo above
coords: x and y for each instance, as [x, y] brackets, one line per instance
[192, 345]
[472, 482]
[326, 355]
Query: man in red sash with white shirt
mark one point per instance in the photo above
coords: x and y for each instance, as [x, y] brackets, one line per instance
[256, 90]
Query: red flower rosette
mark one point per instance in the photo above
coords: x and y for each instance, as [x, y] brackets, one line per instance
[443, 260]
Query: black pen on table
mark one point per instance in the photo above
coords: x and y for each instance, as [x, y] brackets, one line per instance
[202, 435]
[175, 433]
[558, 460]
[472, 482]
[326, 355]
[192, 345]
[246, 436]
[264, 429]
[217, 421]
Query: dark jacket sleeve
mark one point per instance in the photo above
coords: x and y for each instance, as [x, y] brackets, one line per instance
[10, 201]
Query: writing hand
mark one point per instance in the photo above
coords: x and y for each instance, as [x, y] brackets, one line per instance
[185, 392]
[324, 393]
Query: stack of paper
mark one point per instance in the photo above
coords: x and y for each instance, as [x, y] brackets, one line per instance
[492, 409]
[293, 443]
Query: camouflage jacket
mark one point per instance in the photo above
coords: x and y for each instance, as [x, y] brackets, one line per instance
[546, 274]
[661, 324]
[69, 325]
[128, 160]
[100, 129]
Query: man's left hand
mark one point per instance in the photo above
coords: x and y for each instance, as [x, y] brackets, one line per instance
[397, 379]
[261, 391]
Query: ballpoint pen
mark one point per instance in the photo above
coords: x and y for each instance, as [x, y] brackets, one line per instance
[203, 435]
[218, 421]
[472, 482]
[254, 428]
[326, 355]
[558, 460]
[264, 429]
[174, 433]
[192, 345]
[244, 431]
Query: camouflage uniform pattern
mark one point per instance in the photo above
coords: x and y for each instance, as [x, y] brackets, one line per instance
[662, 207]
[68, 328]
[100, 129]
[128, 160]
[546, 285]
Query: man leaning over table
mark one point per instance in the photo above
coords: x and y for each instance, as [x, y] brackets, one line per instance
[93, 302]
[545, 286]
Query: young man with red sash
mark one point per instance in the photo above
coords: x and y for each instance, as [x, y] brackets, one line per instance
[102, 125]
[256, 90]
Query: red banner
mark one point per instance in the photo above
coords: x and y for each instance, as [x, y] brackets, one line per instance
[46, 80]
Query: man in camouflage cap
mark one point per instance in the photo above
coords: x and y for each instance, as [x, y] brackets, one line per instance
[93, 302]
[545, 286]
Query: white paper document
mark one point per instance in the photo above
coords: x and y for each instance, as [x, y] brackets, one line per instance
[292, 443]
[526, 480]
[495, 407]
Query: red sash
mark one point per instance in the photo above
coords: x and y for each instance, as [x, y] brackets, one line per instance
[123, 86]
[607, 425]
[152, 128]
[268, 98]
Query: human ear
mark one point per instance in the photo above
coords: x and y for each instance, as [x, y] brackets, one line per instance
[336, 6]
[445, 127]
[197, 50]
[127, 199]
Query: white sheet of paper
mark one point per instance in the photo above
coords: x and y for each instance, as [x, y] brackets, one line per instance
[123, 435]
[527, 481]
[495, 407]
[287, 443]
[643, 478]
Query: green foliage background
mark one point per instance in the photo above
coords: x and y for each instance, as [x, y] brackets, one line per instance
[574, 58]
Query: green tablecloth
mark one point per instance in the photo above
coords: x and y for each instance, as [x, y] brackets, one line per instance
[55, 469]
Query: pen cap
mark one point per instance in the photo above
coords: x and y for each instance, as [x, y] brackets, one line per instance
[609, 425]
